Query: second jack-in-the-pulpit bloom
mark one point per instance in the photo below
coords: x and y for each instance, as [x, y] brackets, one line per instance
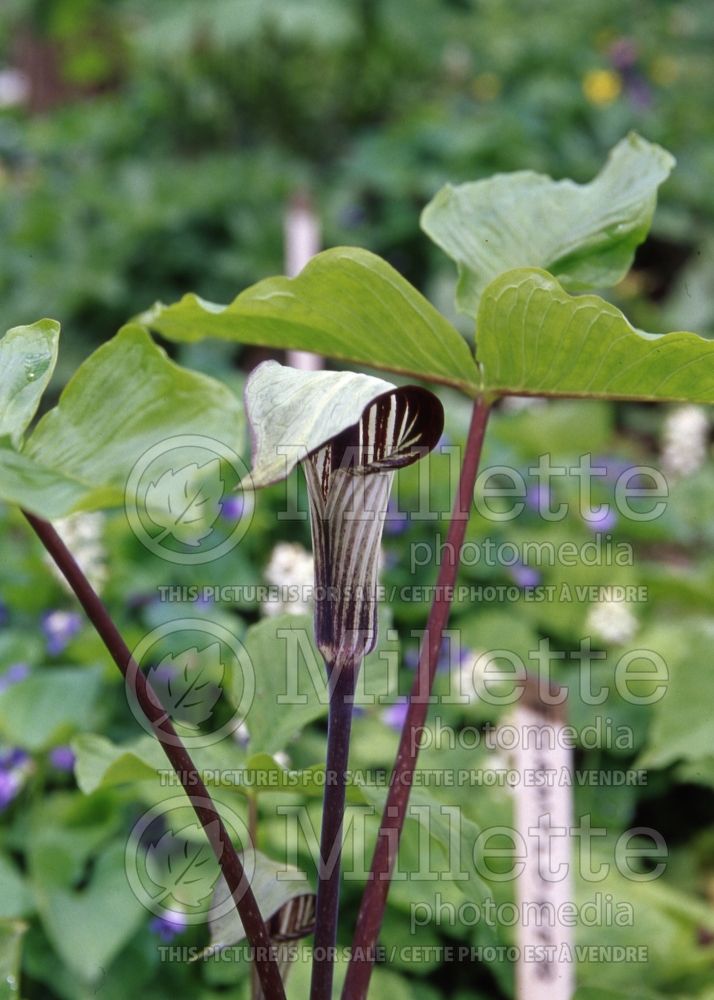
[350, 432]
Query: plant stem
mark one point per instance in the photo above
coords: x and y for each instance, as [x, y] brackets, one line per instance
[178, 756]
[374, 899]
[342, 679]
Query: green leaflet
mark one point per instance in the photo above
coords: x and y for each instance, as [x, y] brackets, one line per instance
[455, 836]
[347, 304]
[45, 491]
[88, 927]
[585, 234]
[46, 708]
[102, 764]
[681, 728]
[536, 340]
[28, 355]
[99, 763]
[123, 400]
[11, 934]
[291, 684]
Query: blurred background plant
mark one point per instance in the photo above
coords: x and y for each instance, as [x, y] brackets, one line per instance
[147, 150]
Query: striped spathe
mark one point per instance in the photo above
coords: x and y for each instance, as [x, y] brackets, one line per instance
[349, 480]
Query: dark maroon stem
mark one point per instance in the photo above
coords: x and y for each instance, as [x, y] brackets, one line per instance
[341, 686]
[371, 912]
[179, 758]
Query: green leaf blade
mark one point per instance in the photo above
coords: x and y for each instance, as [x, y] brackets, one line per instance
[11, 935]
[585, 234]
[103, 764]
[125, 399]
[534, 339]
[45, 491]
[45, 709]
[346, 304]
[28, 355]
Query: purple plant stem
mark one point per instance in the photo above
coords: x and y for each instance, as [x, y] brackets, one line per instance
[341, 687]
[179, 758]
[374, 899]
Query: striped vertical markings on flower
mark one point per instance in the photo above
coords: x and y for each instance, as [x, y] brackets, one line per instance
[349, 481]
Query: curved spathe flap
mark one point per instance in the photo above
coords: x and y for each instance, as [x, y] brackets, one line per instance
[293, 413]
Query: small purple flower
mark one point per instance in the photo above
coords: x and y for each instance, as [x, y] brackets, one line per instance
[232, 507]
[452, 654]
[60, 627]
[13, 759]
[62, 758]
[397, 521]
[612, 465]
[395, 714]
[172, 922]
[411, 657]
[525, 576]
[12, 762]
[538, 497]
[638, 92]
[15, 673]
[162, 676]
[623, 54]
[604, 521]
[10, 784]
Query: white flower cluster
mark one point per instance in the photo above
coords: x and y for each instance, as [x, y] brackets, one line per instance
[613, 622]
[685, 441]
[83, 534]
[291, 568]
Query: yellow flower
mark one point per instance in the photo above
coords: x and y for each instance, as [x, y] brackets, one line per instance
[602, 86]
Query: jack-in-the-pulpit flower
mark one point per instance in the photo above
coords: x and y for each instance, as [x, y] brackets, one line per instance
[349, 481]
[351, 433]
